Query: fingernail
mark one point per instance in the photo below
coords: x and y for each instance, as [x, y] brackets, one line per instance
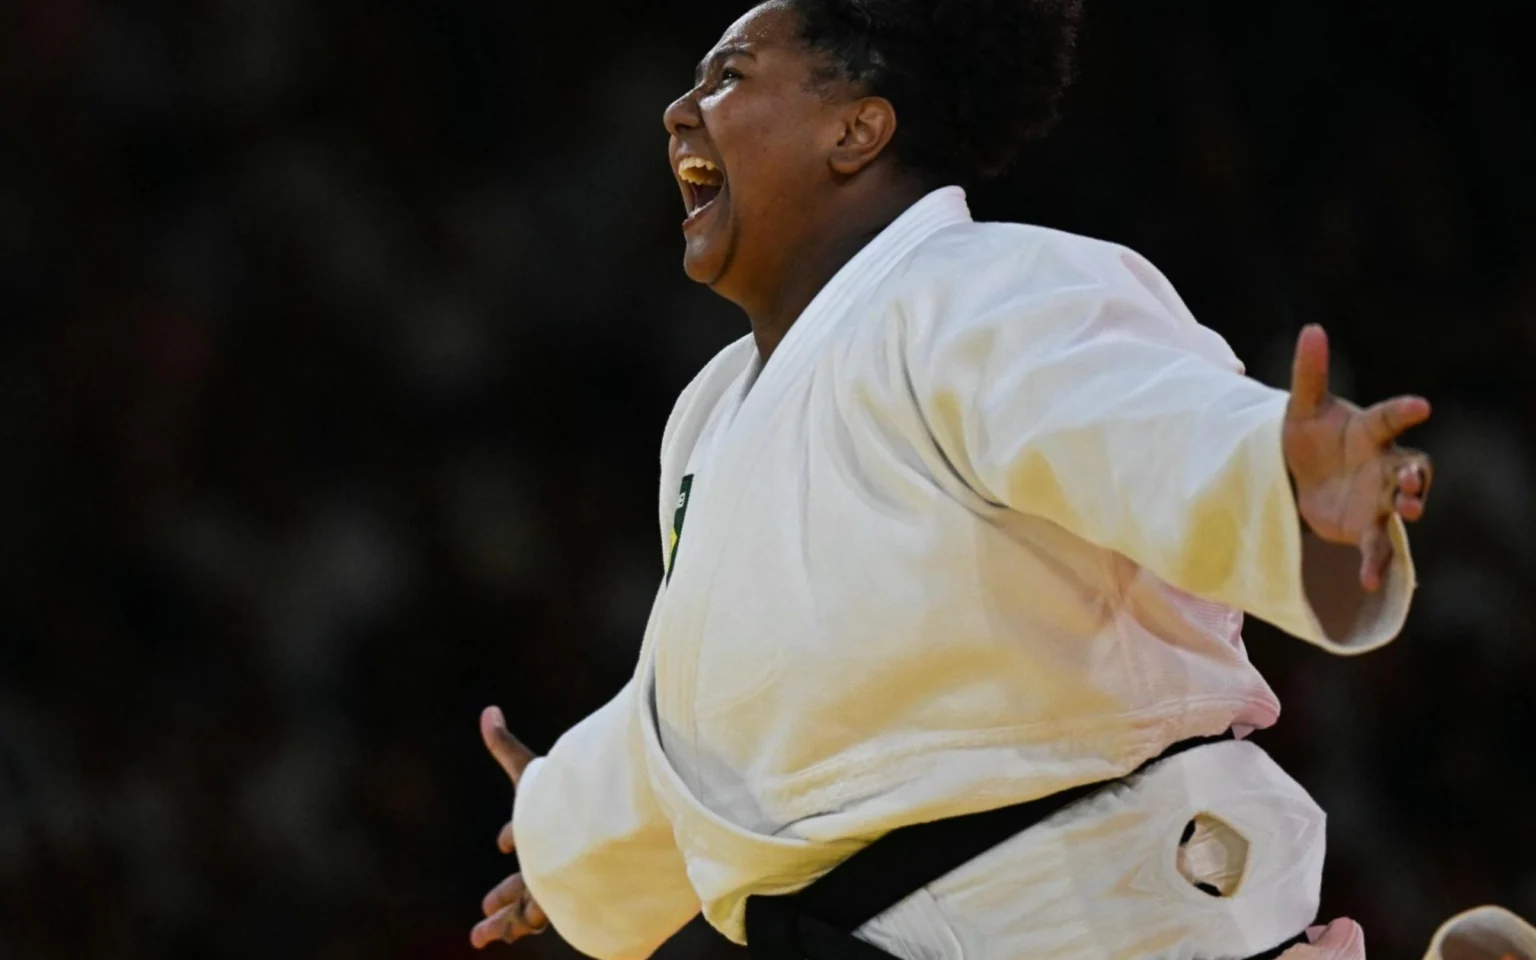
[497, 717]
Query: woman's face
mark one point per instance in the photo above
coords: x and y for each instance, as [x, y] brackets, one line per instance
[749, 149]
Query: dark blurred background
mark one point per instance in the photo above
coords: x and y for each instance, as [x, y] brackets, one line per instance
[336, 340]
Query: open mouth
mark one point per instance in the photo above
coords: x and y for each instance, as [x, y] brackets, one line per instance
[703, 182]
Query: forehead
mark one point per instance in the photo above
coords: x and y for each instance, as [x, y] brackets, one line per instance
[766, 25]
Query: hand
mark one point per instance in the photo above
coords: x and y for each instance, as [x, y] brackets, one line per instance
[1350, 476]
[510, 910]
[1340, 940]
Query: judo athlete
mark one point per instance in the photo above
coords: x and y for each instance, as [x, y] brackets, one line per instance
[945, 658]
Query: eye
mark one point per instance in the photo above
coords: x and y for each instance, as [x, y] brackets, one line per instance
[729, 73]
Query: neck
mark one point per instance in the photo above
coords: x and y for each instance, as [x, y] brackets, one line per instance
[834, 240]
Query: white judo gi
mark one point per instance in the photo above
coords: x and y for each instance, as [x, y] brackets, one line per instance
[983, 529]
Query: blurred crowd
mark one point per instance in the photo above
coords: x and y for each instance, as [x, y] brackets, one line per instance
[336, 340]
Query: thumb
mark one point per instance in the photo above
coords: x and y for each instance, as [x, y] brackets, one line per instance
[1309, 373]
[507, 749]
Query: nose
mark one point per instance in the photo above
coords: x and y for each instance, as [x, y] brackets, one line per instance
[682, 115]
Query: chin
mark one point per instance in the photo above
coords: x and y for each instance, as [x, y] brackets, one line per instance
[704, 265]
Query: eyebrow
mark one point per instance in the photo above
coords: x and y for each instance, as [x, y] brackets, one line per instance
[736, 49]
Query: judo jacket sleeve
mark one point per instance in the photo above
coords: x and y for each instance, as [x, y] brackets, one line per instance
[595, 848]
[1090, 397]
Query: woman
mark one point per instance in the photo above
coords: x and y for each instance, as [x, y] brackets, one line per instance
[961, 532]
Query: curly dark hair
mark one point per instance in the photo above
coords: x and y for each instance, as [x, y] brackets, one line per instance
[972, 80]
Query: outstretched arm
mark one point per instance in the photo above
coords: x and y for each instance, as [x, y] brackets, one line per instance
[597, 854]
[1098, 407]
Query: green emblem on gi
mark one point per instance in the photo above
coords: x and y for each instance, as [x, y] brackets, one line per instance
[677, 521]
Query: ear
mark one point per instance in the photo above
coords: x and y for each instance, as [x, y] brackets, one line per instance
[868, 126]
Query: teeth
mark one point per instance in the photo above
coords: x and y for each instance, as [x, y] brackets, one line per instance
[699, 171]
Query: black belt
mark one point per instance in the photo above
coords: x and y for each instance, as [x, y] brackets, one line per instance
[817, 923]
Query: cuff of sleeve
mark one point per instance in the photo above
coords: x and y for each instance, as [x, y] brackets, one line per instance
[525, 826]
[545, 857]
[1491, 929]
[1328, 607]
[594, 851]
[1347, 620]
[525, 786]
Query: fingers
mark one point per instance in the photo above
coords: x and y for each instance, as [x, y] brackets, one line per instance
[1406, 476]
[505, 842]
[507, 749]
[1375, 557]
[504, 894]
[1412, 479]
[1340, 940]
[1309, 373]
[1389, 419]
[510, 923]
